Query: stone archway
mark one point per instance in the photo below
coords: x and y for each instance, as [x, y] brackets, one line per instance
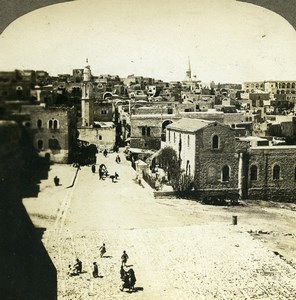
[163, 129]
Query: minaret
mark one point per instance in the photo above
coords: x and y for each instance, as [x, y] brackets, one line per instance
[188, 72]
[86, 99]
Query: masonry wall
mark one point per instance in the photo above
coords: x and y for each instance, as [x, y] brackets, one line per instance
[154, 122]
[101, 137]
[209, 161]
[55, 142]
[265, 187]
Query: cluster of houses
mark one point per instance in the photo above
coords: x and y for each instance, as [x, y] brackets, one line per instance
[232, 139]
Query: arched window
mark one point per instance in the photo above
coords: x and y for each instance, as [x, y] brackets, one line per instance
[283, 85]
[293, 85]
[225, 173]
[148, 131]
[288, 85]
[143, 131]
[253, 172]
[276, 172]
[39, 123]
[100, 137]
[215, 142]
[40, 144]
[50, 124]
[55, 124]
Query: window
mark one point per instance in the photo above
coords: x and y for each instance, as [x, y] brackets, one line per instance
[225, 173]
[39, 123]
[215, 142]
[50, 123]
[100, 137]
[188, 141]
[146, 131]
[276, 172]
[253, 172]
[53, 124]
[104, 112]
[40, 144]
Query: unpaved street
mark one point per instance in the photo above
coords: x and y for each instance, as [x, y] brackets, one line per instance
[179, 249]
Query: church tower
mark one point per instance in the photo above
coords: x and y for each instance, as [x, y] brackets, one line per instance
[87, 114]
[188, 72]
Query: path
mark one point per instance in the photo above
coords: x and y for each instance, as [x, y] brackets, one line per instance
[179, 250]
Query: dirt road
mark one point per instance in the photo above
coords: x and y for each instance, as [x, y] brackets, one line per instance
[178, 248]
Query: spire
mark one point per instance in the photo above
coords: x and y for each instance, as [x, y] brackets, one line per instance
[188, 72]
[189, 67]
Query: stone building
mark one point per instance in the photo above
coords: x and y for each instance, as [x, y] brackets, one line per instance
[224, 164]
[272, 86]
[210, 152]
[17, 85]
[53, 131]
[103, 111]
[272, 173]
[148, 126]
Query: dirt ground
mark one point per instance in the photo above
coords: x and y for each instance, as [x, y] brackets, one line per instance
[179, 249]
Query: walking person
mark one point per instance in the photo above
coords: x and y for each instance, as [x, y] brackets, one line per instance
[102, 250]
[132, 279]
[122, 273]
[56, 180]
[124, 258]
[117, 159]
[95, 272]
[126, 282]
[105, 152]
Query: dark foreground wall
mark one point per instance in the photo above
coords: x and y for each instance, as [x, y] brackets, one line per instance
[26, 269]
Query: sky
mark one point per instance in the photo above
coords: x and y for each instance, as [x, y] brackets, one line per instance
[227, 41]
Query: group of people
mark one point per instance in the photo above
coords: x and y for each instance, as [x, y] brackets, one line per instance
[76, 269]
[128, 277]
[103, 172]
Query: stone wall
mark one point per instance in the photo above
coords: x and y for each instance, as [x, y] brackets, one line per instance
[101, 137]
[265, 187]
[154, 122]
[209, 161]
[64, 135]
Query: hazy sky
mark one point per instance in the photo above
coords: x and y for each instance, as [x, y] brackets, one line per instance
[227, 41]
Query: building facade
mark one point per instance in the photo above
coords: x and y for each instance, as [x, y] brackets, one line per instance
[223, 164]
[53, 131]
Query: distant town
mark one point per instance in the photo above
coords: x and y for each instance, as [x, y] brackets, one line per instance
[230, 139]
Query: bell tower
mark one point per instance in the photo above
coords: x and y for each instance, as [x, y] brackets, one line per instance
[87, 114]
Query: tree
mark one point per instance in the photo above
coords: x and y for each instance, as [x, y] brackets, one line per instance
[169, 162]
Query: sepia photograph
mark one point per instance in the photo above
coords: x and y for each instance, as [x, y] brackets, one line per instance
[148, 149]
